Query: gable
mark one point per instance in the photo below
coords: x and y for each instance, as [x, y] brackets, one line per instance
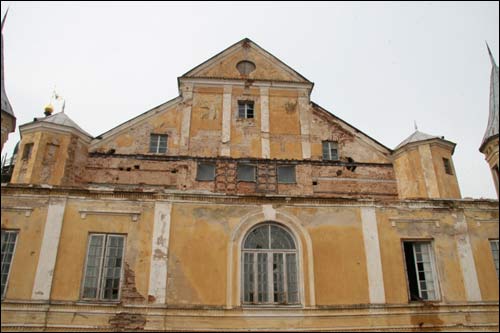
[267, 66]
[352, 142]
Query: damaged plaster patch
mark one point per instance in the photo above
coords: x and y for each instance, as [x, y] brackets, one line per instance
[269, 212]
[129, 291]
[125, 321]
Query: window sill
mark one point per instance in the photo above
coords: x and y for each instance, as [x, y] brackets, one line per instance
[97, 302]
[271, 306]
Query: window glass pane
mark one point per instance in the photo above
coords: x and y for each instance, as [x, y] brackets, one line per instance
[246, 172]
[281, 239]
[330, 150]
[262, 274]
[248, 276]
[258, 238]
[158, 143]
[205, 171]
[8, 242]
[278, 279]
[494, 252]
[286, 174]
[112, 267]
[291, 278]
[424, 269]
[92, 270]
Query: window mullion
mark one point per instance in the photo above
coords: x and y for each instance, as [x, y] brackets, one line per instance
[255, 279]
[270, 284]
[285, 282]
[101, 268]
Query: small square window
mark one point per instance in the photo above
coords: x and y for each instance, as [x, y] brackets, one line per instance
[286, 174]
[447, 166]
[205, 171]
[158, 143]
[27, 151]
[246, 172]
[330, 151]
[245, 109]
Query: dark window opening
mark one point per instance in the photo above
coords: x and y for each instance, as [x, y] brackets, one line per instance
[447, 166]
[27, 151]
[205, 171]
[420, 271]
[245, 109]
[246, 172]
[286, 174]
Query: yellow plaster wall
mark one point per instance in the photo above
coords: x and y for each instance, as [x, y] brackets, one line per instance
[443, 244]
[447, 184]
[246, 133]
[284, 126]
[410, 175]
[28, 244]
[206, 122]
[70, 263]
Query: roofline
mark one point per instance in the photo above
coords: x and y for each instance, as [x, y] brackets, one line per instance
[136, 118]
[485, 142]
[416, 143]
[242, 41]
[345, 122]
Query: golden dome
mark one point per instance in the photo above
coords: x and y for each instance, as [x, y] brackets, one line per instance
[49, 109]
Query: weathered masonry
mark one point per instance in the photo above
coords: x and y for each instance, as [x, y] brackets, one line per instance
[242, 205]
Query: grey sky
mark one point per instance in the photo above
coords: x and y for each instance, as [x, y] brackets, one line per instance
[379, 66]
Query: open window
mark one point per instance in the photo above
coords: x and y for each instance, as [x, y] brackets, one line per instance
[420, 270]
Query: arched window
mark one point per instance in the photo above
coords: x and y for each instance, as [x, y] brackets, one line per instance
[270, 266]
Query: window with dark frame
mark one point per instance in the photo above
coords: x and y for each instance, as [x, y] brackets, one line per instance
[205, 171]
[447, 166]
[158, 143]
[8, 243]
[27, 151]
[286, 174]
[420, 270]
[330, 151]
[245, 110]
[246, 172]
[103, 268]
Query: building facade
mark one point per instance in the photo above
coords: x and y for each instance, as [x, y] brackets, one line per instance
[242, 205]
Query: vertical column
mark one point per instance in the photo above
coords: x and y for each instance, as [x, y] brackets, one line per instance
[372, 252]
[471, 284]
[159, 255]
[226, 121]
[305, 124]
[430, 178]
[187, 94]
[48, 253]
[264, 122]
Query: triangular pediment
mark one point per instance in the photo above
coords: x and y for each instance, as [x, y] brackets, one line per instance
[267, 66]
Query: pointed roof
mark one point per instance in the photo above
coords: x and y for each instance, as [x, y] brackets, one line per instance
[416, 137]
[6, 107]
[60, 119]
[223, 65]
[492, 128]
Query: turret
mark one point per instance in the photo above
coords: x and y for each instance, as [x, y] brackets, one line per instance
[424, 167]
[8, 118]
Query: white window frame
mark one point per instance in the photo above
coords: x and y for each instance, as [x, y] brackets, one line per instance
[493, 250]
[246, 109]
[434, 272]
[16, 232]
[330, 146]
[270, 276]
[157, 143]
[100, 289]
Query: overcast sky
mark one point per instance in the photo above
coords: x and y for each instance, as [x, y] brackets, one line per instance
[378, 66]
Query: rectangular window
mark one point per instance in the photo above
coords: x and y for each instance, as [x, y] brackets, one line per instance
[104, 267]
[330, 151]
[27, 151]
[286, 174]
[494, 252]
[205, 171]
[158, 143]
[245, 109]
[8, 246]
[420, 271]
[246, 172]
[447, 166]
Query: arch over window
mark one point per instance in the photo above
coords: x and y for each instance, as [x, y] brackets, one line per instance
[270, 266]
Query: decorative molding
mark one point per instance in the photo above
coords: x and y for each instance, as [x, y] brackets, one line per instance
[133, 214]
[479, 221]
[403, 220]
[27, 210]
